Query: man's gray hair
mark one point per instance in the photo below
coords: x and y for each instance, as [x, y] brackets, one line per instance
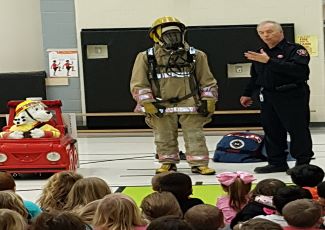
[276, 25]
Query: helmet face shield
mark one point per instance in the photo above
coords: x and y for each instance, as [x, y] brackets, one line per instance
[172, 39]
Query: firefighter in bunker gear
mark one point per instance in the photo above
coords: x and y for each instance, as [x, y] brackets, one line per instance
[172, 83]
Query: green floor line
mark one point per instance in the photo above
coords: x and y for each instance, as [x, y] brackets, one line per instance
[207, 193]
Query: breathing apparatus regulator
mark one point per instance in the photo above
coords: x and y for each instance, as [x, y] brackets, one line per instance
[168, 32]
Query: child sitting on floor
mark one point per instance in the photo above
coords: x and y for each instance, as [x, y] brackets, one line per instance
[118, 211]
[7, 182]
[205, 217]
[55, 192]
[10, 219]
[308, 177]
[169, 223]
[260, 202]
[258, 224]
[159, 204]
[284, 196]
[155, 181]
[302, 214]
[180, 185]
[237, 185]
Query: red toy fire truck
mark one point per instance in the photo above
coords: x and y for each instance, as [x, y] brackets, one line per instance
[39, 155]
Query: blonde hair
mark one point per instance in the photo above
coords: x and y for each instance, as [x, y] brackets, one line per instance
[55, 192]
[12, 201]
[117, 212]
[238, 193]
[10, 219]
[87, 212]
[160, 204]
[85, 191]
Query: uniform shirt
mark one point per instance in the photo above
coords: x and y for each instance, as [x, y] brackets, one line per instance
[288, 64]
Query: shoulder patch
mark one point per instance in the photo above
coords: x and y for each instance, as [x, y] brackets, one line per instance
[302, 52]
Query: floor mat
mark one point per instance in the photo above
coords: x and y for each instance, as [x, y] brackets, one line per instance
[207, 193]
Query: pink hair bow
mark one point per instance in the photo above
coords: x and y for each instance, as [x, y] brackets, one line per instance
[227, 178]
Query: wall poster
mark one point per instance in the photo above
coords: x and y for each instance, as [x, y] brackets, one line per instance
[310, 42]
[63, 63]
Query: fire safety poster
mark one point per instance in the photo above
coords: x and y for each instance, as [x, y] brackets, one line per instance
[310, 42]
[63, 63]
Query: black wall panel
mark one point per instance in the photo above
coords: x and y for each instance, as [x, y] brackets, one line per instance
[107, 80]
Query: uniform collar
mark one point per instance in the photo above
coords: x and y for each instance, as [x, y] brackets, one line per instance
[280, 45]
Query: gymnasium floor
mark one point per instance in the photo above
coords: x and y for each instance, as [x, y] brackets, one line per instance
[128, 160]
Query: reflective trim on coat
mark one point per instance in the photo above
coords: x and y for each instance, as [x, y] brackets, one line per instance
[189, 109]
[143, 94]
[173, 74]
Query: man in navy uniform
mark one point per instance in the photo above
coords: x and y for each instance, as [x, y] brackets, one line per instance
[279, 73]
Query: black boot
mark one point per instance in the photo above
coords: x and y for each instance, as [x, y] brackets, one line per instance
[271, 168]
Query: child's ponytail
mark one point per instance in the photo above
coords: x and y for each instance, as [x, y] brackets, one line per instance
[237, 185]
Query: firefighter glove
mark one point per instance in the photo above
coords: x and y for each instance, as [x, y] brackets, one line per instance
[150, 108]
[211, 106]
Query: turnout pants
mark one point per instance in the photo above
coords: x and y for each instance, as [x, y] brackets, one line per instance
[165, 131]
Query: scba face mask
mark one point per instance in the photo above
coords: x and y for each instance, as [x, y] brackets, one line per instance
[172, 39]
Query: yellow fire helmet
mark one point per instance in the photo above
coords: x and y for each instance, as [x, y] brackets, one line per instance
[25, 105]
[156, 28]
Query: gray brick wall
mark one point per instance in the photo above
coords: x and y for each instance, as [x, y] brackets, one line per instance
[59, 31]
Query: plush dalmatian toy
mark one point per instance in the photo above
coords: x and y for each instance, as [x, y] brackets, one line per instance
[30, 121]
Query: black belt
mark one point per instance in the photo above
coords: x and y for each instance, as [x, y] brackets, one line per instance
[285, 87]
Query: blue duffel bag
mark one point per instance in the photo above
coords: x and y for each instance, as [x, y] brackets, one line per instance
[240, 147]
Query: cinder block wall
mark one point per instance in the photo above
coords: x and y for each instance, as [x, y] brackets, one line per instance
[59, 31]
